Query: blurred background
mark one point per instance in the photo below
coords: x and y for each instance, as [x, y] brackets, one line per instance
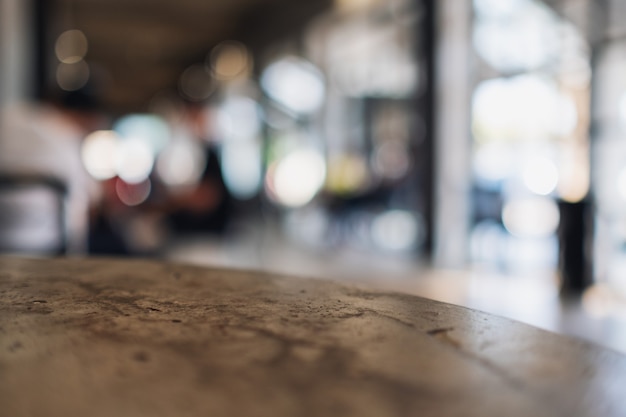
[468, 151]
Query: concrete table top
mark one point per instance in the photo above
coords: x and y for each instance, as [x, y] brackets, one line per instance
[107, 337]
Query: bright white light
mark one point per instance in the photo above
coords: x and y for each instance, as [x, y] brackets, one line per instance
[181, 163]
[493, 162]
[298, 177]
[621, 184]
[622, 108]
[516, 35]
[395, 230]
[241, 167]
[522, 107]
[533, 217]
[134, 161]
[150, 129]
[71, 46]
[239, 117]
[498, 8]
[294, 83]
[99, 152]
[541, 176]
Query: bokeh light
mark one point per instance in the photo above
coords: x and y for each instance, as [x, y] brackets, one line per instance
[135, 160]
[493, 162]
[72, 77]
[242, 168]
[516, 35]
[574, 178]
[99, 152]
[196, 83]
[239, 118]
[133, 194]
[395, 230]
[354, 6]
[296, 178]
[370, 59]
[622, 109]
[524, 107]
[181, 163]
[294, 83]
[151, 129]
[347, 174]
[71, 46]
[531, 217]
[230, 60]
[391, 160]
[621, 184]
[541, 176]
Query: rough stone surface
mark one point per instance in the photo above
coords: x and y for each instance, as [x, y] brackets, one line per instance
[106, 337]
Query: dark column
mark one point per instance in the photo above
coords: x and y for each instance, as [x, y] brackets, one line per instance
[575, 246]
[41, 16]
[425, 106]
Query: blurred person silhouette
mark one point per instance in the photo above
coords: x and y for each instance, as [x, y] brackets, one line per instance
[39, 156]
[207, 207]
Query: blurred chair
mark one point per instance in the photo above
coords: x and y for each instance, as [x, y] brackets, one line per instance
[33, 214]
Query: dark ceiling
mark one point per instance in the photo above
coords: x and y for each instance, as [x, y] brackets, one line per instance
[138, 48]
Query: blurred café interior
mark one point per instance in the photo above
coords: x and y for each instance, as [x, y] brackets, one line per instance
[472, 152]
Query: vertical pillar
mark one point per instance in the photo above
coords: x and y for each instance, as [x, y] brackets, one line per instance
[452, 142]
[16, 46]
[425, 106]
[575, 246]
